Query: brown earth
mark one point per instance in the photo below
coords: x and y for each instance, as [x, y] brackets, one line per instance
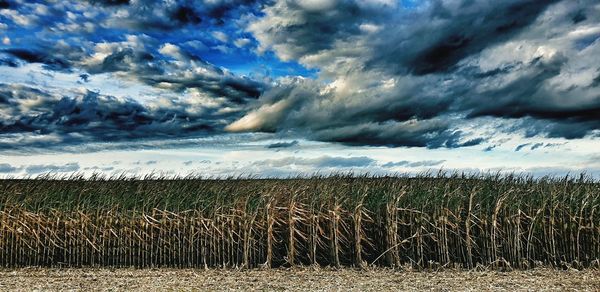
[297, 279]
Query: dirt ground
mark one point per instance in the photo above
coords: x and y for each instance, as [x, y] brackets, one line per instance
[297, 279]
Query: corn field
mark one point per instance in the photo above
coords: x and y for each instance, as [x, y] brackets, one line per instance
[340, 220]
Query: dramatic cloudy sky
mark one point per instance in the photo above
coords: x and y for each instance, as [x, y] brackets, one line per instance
[227, 87]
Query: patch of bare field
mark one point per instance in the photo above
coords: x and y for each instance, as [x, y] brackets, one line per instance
[296, 279]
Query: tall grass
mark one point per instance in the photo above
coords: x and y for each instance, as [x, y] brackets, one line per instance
[340, 220]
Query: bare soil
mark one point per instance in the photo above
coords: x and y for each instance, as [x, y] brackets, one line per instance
[297, 279]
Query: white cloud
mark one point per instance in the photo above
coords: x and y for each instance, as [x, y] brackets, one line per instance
[370, 28]
[18, 18]
[173, 51]
[260, 119]
[242, 42]
[196, 44]
[221, 36]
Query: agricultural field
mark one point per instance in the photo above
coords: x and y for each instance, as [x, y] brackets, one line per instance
[492, 222]
[364, 145]
[297, 279]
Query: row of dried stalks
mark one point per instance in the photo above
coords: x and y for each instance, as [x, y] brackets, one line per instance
[286, 226]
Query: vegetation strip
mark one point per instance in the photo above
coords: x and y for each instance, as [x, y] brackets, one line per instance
[425, 222]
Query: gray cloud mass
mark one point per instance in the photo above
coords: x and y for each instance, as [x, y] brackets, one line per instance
[388, 74]
[411, 77]
[33, 117]
[318, 162]
[48, 168]
[7, 168]
[282, 145]
[405, 163]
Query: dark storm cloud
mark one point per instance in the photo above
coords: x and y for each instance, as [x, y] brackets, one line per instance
[455, 32]
[313, 29]
[126, 59]
[32, 117]
[48, 168]
[596, 81]
[5, 4]
[536, 90]
[432, 40]
[10, 62]
[412, 77]
[430, 134]
[171, 68]
[169, 15]
[579, 16]
[185, 14]
[567, 127]
[405, 113]
[353, 120]
[50, 62]
[54, 56]
[528, 95]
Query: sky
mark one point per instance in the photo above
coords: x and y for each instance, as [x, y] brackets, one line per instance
[295, 87]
